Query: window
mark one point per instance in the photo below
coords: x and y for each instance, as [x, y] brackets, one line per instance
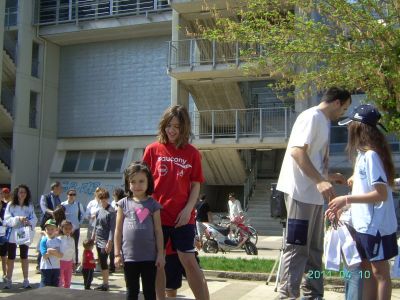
[115, 161]
[70, 161]
[100, 160]
[35, 60]
[93, 161]
[33, 110]
[85, 160]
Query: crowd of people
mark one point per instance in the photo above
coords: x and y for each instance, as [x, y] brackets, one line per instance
[155, 208]
[149, 227]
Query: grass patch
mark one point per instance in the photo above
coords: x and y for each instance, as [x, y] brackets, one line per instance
[254, 265]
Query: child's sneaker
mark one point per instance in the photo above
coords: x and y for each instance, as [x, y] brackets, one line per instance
[26, 284]
[8, 284]
[102, 287]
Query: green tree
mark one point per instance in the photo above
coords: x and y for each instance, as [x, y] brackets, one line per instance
[312, 45]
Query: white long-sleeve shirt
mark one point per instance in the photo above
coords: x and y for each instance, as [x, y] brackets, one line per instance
[12, 218]
[91, 210]
[67, 247]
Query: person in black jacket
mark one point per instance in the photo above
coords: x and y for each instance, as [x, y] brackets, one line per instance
[203, 215]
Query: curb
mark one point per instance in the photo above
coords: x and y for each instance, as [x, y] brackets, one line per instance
[329, 280]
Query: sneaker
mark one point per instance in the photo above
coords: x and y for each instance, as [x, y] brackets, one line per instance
[102, 287]
[78, 269]
[4, 278]
[26, 284]
[8, 284]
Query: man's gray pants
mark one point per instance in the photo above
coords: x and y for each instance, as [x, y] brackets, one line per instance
[299, 260]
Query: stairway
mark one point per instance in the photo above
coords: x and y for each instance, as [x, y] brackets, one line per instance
[259, 210]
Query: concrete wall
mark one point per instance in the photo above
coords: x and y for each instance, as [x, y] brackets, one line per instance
[115, 88]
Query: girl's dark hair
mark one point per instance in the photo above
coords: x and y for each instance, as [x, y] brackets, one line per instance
[132, 170]
[88, 244]
[59, 214]
[181, 113]
[27, 200]
[63, 223]
[366, 137]
[119, 193]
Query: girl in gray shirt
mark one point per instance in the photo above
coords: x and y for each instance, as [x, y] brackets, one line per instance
[138, 235]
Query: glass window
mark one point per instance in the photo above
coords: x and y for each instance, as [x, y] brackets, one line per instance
[115, 160]
[35, 60]
[100, 160]
[71, 158]
[33, 110]
[85, 160]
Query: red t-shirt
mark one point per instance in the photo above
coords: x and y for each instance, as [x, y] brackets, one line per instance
[173, 169]
[87, 257]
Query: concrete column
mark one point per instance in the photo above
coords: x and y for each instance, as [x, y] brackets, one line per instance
[2, 16]
[179, 95]
[25, 139]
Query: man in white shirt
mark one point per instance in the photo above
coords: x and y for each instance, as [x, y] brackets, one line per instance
[306, 183]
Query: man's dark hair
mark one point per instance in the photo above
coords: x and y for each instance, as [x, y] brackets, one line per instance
[54, 185]
[336, 93]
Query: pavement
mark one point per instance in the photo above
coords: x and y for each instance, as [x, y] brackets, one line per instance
[222, 285]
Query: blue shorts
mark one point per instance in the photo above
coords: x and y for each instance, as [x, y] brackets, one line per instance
[182, 238]
[376, 248]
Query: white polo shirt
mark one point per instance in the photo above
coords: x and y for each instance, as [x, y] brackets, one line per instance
[371, 217]
[311, 128]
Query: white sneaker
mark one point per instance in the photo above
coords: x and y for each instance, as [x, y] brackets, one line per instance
[8, 284]
[26, 284]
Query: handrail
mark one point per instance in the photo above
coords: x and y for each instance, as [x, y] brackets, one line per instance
[240, 123]
[51, 13]
[5, 153]
[195, 52]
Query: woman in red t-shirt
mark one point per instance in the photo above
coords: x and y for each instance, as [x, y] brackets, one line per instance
[177, 173]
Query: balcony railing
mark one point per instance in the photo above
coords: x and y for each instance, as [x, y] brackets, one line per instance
[11, 17]
[195, 52]
[5, 153]
[242, 123]
[50, 12]
[7, 99]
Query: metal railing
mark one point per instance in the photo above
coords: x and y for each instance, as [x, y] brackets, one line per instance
[50, 12]
[195, 52]
[5, 153]
[11, 17]
[239, 123]
[7, 99]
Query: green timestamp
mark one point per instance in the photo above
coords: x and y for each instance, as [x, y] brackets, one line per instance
[345, 274]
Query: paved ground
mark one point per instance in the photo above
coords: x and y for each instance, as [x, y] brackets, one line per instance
[220, 288]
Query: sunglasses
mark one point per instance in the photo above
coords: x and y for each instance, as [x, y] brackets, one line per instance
[71, 194]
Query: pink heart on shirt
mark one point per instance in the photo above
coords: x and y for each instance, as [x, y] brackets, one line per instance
[142, 213]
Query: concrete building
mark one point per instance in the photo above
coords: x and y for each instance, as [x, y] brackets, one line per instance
[85, 82]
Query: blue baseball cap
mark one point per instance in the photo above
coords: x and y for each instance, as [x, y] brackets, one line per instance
[364, 113]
